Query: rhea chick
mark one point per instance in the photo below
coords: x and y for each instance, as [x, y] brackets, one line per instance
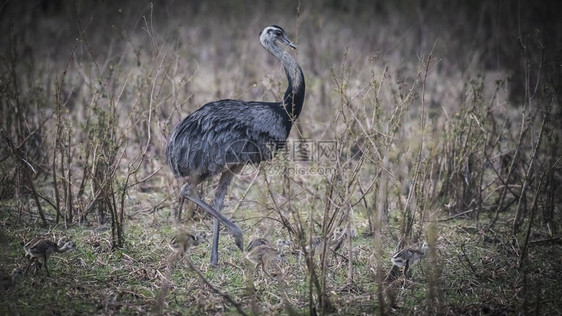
[37, 239]
[265, 256]
[184, 240]
[256, 243]
[8, 282]
[406, 258]
[44, 248]
[334, 240]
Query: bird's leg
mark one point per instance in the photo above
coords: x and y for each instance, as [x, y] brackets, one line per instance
[29, 264]
[45, 259]
[263, 269]
[256, 271]
[236, 231]
[179, 208]
[222, 187]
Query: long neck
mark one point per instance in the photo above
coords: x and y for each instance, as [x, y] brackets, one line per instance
[424, 249]
[294, 96]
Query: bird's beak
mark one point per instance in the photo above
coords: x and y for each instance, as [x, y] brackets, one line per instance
[289, 43]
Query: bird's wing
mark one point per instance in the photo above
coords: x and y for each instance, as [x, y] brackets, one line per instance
[222, 133]
[250, 119]
[33, 241]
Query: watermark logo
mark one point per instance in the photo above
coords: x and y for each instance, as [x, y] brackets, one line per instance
[299, 157]
[327, 150]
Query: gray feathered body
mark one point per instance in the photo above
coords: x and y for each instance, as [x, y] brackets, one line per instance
[225, 133]
[407, 256]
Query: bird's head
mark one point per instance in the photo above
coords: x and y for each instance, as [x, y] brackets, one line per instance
[200, 237]
[274, 33]
[282, 243]
[425, 248]
[62, 241]
[70, 245]
[238, 238]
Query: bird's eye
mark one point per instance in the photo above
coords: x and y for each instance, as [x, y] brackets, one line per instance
[278, 33]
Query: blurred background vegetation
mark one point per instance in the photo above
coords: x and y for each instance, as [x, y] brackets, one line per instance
[446, 115]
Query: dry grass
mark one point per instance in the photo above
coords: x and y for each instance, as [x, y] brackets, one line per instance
[439, 120]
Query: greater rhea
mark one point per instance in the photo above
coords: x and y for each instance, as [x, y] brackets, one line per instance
[35, 240]
[335, 241]
[265, 256]
[44, 248]
[408, 257]
[182, 241]
[9, 282]
[339, 236]
[256, 243]
[223, 136]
